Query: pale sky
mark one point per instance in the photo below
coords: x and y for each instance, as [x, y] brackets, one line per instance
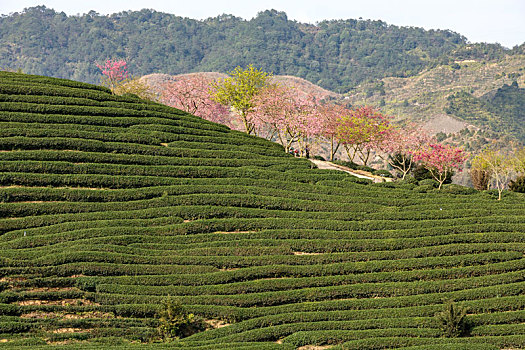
[501, 21]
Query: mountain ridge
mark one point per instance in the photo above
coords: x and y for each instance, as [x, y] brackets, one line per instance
[333, 54]
[427, 96]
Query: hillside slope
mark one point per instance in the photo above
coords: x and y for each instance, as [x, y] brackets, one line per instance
[439, 97]
[111, 204]
[156, 81]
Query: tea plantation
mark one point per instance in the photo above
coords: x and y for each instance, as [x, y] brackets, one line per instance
[108, 205]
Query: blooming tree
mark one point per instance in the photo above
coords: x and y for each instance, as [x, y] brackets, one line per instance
[287, 114]
[192, 94]
[239, 90]
[114, 72]
[362, 130]
[440, 160]
[399, 143]
[329, 114]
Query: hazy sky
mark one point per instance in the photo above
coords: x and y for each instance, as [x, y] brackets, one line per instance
[491, 21]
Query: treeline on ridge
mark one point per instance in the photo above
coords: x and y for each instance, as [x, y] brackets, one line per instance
[334, 54]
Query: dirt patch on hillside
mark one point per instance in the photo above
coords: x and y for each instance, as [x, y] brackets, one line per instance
[216, 323]
[62, 302]
[444, 123]
[229, 232]
[67, 316]
[305, 253]
[70, 330]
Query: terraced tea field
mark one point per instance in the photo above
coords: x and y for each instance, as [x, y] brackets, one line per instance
[110, 204]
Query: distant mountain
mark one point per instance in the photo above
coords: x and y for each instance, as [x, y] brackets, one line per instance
[503, 110]
[336, 55]
[484, 98]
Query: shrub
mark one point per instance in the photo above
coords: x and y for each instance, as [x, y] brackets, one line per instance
[406, 186]
[421, 173]
[365, 168]
[174, 323]
[350, 164]
[452, 320]
[318, 158]
[457, 189]
[428, 182]
[382, 172]
[424, 188]
[385, 184]
[408, 180]
[518, 185]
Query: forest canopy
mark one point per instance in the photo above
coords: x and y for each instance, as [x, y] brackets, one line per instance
[336, 54]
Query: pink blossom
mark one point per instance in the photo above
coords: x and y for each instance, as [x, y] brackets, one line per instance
[440, 160]
[192, 94]
[114, 71]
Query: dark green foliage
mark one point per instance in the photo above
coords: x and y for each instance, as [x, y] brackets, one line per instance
[424, 188]
[354, 166]
[518, 185]
[440, 136]
[334, 54]
[501, 111]
[175, 323]
[457, 189]
[365, 168]
[382, 172]
[428, 182]
[348, 164]
[479, 51]
[452, 320]
[421, 173]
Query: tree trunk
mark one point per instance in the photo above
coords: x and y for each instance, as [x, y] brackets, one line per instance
[333, 148]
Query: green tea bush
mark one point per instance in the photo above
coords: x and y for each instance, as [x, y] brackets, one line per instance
[457, 189]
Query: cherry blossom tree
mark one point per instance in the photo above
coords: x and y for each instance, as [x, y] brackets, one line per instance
[329, 114]
[192, 94]
[440, 160]
[114, 72]
[286, 114]
[362, 130]
[400, 143]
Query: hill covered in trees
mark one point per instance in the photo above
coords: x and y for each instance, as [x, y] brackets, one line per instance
[333, 54]
[126, 222]
[471, 102]
[502, 111]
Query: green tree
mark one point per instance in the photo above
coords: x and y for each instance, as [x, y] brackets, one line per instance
[519, 161]
[174, 323]
[452, 320]
[238, 92]
[498, 164]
